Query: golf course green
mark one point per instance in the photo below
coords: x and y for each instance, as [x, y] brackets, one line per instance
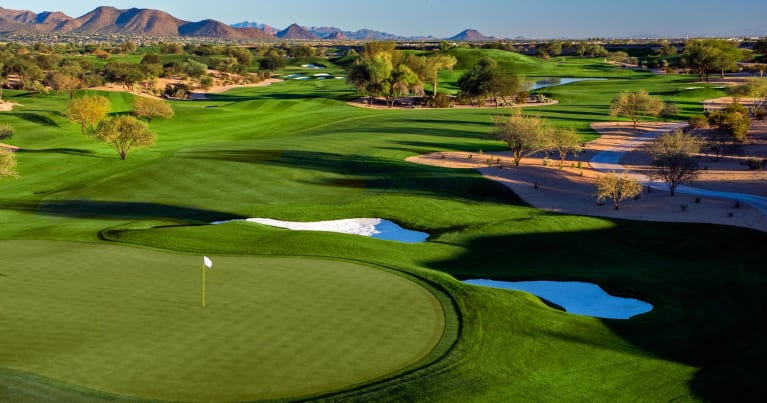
[129, 322]
[101, 259]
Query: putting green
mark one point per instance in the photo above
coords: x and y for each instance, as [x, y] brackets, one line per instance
[128, 321]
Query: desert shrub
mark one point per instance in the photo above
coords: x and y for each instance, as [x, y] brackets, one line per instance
[698, 122]
[755, 164]
[177, 90]
[439, 101]
[6, 130]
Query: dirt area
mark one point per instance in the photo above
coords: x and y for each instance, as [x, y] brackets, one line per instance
[7, 106]
[729, 174]
[570, 189]
[222, 82]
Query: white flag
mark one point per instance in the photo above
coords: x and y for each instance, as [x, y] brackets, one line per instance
[207, 262]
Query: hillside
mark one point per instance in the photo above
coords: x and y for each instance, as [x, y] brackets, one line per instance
[470, 35]
[295, 31]
[111, 20]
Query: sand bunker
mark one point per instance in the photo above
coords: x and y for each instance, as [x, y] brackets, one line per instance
[312, 66]
[576, 297]
[371, 227]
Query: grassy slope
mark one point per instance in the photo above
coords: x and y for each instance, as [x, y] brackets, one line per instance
[293, 151]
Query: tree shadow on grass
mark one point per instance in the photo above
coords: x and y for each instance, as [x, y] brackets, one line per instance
[114, 209]
[383, 175]
[67, 151]
[35, 118]
[704, 281]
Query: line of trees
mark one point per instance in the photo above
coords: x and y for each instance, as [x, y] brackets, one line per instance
[526, 135]
[383, 71]
[123, 132]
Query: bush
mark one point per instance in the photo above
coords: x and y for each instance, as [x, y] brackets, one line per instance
[179, 90]
[439, 101]
[6, 130]
[698, 122]
[93, 80]
[755, 164]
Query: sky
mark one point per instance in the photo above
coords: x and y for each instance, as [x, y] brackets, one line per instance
[444, 18]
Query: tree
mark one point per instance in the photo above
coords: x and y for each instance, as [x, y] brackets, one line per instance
[634, 105]
[3, 79]
[487, 79]
[667, 48]
[582, 48]
[150, 108]
[436, 63]
[101, 54]
[617, 188]
[64, 82]
[761, 46]
[753, 88]
[711, 55]
[672, 158]
[7, 163]
[552, 48]
[733, 119]
[525, 135]
[403, 81]
[125, 73]
[124, 133]
[565, 140]
[272, 60]
[88, 111]
[194, 69]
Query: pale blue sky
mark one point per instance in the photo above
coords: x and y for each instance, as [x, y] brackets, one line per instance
[442, 18]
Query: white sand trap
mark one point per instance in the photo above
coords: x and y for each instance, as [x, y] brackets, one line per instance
[294, 75]
[302, 78]
[312, 66]
[576, 297]
[339, 77]
[372, 227]
[322, 75]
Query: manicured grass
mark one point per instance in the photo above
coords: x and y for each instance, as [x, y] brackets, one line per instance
[297, 151]
[129, 322]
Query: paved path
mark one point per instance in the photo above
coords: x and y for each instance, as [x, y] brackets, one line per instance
[609, 160]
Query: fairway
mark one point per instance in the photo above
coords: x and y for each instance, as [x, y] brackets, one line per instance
[128, 321]
[100, 280]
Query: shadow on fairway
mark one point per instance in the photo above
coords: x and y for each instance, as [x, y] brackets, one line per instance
[377, 174]
[709, 306]
[35, 118]
[67, 151]
[107, 209]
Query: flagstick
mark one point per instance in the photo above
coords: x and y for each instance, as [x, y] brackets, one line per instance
[203, 286]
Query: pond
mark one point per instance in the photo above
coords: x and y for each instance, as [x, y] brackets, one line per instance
[554, 81]
[575, 297]
[373, 227]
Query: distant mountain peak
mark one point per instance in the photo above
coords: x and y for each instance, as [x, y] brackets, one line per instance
[470, 35]
[295, 31]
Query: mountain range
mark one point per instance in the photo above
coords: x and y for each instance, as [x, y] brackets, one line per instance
[149, 22]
